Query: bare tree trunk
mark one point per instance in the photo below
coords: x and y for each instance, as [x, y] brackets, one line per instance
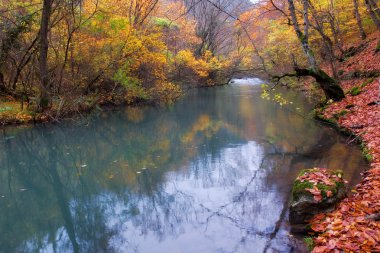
[336, 32]
[11, 35]
[359, 20]
[329, 85]
[371, 12]
[44, 98]
[303, 37]
[325, 38]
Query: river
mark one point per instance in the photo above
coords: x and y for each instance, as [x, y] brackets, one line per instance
[210, 173]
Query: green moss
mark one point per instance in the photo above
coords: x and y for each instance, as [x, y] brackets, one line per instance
[339, 185]
[355, 91]
[299, 187]
[377, 47]
[359, 89]
[165, 23]
[304, 171]
[367, 82]
[309, 241]
[332, 121]
[366, 154]
[340, 114]
[318, 114]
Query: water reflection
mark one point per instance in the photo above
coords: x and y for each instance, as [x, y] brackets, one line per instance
[211, 173]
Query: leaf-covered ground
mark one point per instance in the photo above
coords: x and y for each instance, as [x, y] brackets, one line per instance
[350, 228]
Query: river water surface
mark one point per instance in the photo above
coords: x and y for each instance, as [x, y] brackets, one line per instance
[211, 173]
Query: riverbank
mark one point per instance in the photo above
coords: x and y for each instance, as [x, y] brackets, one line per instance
[354, 225]
[15, 112]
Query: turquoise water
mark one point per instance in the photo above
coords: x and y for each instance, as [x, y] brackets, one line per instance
[211, 173]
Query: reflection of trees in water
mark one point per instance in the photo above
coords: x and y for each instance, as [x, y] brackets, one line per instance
[64, 177]
[83, 191]
[37, 165]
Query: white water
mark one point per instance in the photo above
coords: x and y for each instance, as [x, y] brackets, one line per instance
[246, 81]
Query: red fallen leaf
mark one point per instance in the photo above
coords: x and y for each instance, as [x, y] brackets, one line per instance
[320, 249]
[329, 193]
[318, 227]
[314, 191]
[361, 220]
[345, 208]
[348, 225]
[365, 203]
[332, 244]
[318, 197]
[351, 246]
[368, 236]
[319, 216]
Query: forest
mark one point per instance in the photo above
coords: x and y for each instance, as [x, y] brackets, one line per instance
[58, 57]
[64, 58]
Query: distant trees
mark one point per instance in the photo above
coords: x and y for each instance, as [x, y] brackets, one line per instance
[215, 27]
[138, 11]
[62, 56]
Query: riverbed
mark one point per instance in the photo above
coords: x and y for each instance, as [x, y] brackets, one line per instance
[210, 173]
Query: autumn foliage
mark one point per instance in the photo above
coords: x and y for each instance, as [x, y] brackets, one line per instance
[102, 52]
[350, 227]
[323, 183]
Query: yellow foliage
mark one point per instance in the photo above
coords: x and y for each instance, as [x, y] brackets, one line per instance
[202, 66]
[203, 125]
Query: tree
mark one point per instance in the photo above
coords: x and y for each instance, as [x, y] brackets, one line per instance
[329, 86]
[215, 23]
[359, 19]
[44, 98]
[372, 10]
[139, 11]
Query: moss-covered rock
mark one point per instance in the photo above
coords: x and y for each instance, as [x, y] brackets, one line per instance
[314, 191]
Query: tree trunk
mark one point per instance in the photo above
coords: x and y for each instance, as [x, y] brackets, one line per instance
[359, 20]
[44, 98]
[328, 44]
[371, 12]
[303, 37]
[375, 7]
[329, 86]
[2, 83]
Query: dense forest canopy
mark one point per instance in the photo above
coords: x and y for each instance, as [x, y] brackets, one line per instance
[59, 56]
